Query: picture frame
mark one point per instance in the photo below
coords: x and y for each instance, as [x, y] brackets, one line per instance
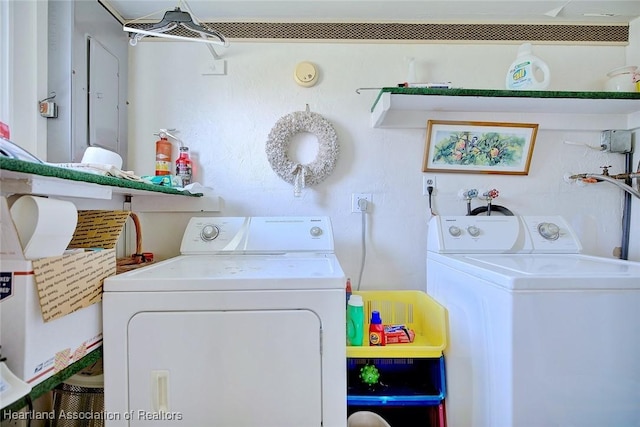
[479, 147]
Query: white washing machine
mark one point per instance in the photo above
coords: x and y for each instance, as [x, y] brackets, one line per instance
[245, 329]
[539, 335]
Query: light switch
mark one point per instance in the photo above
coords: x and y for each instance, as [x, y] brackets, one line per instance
[306, 74]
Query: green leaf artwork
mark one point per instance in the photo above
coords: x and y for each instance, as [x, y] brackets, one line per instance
[487, 149]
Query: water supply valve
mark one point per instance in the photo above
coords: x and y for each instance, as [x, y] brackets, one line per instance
[490, 194]
[605, 170]
[468, 194]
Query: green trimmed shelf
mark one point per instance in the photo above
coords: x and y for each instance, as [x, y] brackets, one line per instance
[51, 382]
[22, 177]
[397, 107]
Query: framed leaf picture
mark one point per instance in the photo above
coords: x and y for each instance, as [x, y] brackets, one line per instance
[479, 147]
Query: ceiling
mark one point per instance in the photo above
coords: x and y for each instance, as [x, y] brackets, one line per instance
[428, 11]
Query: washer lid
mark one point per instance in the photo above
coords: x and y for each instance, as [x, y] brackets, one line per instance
[233, 272]
[544, 271]
[557, 265]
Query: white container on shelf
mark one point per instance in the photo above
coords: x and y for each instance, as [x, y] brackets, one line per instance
[527, 72]
[621, 79]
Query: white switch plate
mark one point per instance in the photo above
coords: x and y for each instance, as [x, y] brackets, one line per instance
[215, 67]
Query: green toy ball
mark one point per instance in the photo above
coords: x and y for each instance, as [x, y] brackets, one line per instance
[369, 374]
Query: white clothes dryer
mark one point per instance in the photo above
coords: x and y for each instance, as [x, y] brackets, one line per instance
[246, 328]
[539, 334]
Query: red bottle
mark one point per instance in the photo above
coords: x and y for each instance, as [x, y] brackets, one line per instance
[183, 166]
[376, 330]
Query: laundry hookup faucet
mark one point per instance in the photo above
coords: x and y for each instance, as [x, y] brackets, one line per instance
[617, 180]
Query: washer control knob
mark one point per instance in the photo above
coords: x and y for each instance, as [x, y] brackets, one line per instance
[455, 231]
[209, 232]
[473, 231]
[549, 230]
[315, 231]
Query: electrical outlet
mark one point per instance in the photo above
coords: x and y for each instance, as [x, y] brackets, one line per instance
[428, 181]
[355, 202]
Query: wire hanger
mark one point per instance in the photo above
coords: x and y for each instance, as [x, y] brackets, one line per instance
[171, 20]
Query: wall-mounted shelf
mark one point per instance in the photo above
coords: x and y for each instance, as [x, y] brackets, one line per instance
[20, 177]
[413, 107]
[51, 382]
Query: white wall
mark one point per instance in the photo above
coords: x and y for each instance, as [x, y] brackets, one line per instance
[225, 120]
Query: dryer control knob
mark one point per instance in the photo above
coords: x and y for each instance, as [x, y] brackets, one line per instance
[209, 232]
[316, 231]
[473, 231]
[455, 231]
[549, 230]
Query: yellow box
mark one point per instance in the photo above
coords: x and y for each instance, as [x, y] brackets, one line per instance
[414, 309]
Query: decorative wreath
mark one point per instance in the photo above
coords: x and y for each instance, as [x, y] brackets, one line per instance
[278, 143]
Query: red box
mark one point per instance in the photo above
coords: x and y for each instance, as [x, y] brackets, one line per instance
[398, 334]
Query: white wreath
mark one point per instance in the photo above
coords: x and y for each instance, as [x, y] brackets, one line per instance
[278, 143]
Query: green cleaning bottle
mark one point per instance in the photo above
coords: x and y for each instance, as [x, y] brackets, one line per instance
[355, 320]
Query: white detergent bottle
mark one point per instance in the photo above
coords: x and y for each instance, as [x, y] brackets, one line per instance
[522, 72]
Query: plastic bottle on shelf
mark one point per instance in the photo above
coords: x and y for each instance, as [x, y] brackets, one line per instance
[163, 155]
[183, 166]
[348, 291]
[522, 72]
[376, 330]
[355, 320]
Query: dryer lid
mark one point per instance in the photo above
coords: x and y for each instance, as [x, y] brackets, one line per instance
[230, 272]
